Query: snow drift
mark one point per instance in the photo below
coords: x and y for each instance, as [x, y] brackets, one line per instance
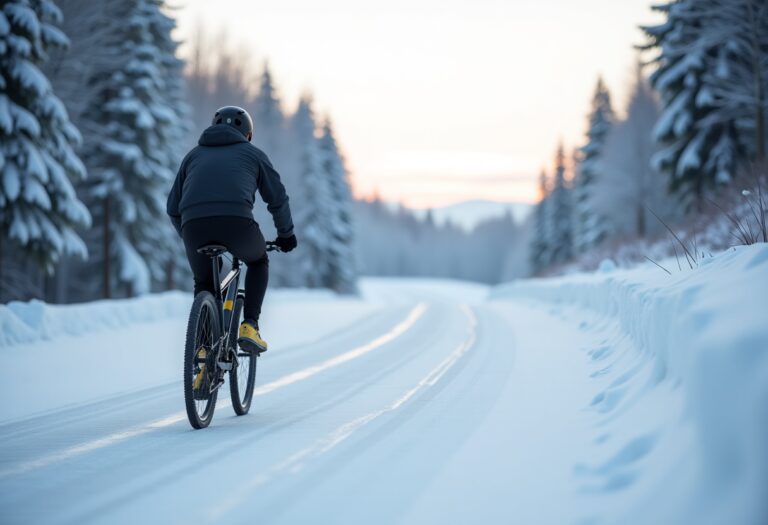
[685, 387]
[29, 322]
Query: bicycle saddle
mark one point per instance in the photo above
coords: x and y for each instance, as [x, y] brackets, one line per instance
[212, 250]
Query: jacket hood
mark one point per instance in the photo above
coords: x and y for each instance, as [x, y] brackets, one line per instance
[221, 135]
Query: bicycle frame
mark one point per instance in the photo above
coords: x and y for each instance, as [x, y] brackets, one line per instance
[226, 294]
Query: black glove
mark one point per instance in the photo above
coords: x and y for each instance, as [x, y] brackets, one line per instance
[286, 244]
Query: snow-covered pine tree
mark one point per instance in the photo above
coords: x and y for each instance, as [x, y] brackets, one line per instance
[643, 184]
[88, 26]
[275, 134]
[740, 79]
[168, 266]
[540, 248]
[589, 225]
[39, 210]
[342, 275]
[130, 164]
[560, 217]
[313, 217]
[631, 185]
[268, 117]
[704, 144]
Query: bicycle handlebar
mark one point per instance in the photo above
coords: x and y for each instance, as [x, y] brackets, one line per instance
[272, 246]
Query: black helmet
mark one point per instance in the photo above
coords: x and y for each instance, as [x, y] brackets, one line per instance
[236, 117]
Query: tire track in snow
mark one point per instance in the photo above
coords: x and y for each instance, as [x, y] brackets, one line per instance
[296, 462]
[76, 414]
[289, 379]
[366, 324]
[256, 436]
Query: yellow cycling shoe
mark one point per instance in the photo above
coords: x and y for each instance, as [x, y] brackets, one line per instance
[250, 340]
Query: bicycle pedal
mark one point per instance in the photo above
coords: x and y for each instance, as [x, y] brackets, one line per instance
[217, 385]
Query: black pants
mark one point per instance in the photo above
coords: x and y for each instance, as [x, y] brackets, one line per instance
[244, 240]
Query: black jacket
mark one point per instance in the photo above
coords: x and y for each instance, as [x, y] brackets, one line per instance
[220, 177]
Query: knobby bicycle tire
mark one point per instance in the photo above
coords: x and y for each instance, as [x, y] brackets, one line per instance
[203, 331]
[242, 376]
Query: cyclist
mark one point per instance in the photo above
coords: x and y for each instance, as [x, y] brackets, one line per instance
[211, 202]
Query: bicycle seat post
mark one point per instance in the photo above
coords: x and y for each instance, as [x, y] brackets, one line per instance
[214, 251]
[216, 265]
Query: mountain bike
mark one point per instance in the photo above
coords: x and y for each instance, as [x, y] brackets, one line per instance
[211, 350]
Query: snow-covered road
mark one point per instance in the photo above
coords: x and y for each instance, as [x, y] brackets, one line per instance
[358, 426]
[425, 403]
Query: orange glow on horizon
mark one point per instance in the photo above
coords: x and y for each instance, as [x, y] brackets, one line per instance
[427, 198]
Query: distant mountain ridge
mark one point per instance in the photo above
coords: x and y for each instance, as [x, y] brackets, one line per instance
[469, 214]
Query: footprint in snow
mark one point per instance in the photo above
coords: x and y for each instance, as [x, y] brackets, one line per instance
[602, 438]
[601, 353]
[623, 378]
[607, 400]
[631, 453]
[617, 472]
[619, 481]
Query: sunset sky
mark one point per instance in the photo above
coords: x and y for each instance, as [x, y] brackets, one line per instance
[439, 101]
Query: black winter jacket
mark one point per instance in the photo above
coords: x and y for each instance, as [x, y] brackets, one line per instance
[220, 177]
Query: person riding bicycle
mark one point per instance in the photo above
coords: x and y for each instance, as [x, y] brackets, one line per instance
[211, 202]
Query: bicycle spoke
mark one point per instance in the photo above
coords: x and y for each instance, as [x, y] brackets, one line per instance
[244, 368]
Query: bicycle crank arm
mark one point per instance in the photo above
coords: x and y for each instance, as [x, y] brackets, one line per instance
[216, 386]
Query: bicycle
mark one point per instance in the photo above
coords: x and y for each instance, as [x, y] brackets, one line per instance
[210, 352]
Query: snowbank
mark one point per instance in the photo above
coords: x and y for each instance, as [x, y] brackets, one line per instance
[29, 322]
[702, 337]
[35, 321]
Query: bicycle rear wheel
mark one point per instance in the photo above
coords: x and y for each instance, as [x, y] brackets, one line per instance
[242, 376]
[200, 372]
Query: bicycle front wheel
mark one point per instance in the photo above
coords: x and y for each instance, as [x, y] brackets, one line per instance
[200, 369]
[242, 376]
